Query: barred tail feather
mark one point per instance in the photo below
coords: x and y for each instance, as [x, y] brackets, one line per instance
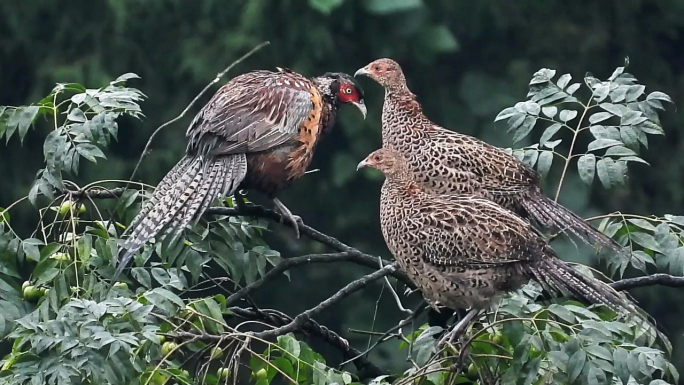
[550, 214]
[553, 272]
[181, 197]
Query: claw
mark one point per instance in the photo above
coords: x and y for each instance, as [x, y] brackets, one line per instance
[296, 220]
[460, 328]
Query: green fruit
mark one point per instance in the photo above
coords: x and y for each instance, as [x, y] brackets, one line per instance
[24, 285]
[472, 371]
[32, 293]
[161, 339]
[185, 373]
[121, 285]
[497, 338]
[158, 379]
[81, 209]
[60, 256]
[261, 374]
[168, 347]
[223, 373]
[216, 353]
[64, 208]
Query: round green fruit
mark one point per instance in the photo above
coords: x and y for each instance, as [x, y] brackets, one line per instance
[261, 374]
[61, 256]
[472, 371]
[216, 353]
[121, 285]
[497, 338]
[168, 347]
[81, 209]
[64, 208]
[223, 373]
[24, 285]
[161, 339]
[32, 293]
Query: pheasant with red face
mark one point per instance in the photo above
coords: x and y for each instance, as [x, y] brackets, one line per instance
[447, 162]
[259, 131]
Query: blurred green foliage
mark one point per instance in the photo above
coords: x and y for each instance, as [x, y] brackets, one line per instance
[465, 60]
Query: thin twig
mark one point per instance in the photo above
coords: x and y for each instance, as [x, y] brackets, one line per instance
[351, 288]
[286, 264]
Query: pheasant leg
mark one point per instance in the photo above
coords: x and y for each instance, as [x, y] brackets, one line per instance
[287, 214]
[460, 327]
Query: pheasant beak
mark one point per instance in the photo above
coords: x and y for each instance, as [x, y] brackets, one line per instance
[362, 107]
[362, 164]
[362, 71]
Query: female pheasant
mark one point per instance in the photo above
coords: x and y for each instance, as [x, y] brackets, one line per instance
[463, 251]
[259, 131]
[447, 162]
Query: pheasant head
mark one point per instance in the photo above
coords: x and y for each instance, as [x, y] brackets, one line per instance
[390, 163]
[387, 73]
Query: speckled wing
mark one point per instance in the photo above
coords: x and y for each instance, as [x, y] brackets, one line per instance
[470, 231]
[497, 171]
[254, 112]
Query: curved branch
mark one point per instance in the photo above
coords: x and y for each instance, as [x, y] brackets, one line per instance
[305, 316]
[288, 263]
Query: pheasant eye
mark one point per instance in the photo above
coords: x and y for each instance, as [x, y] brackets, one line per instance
[347, 90]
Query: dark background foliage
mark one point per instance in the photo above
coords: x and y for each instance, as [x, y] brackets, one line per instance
[466, 60]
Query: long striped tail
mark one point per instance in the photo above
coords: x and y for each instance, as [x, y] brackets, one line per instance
[552, 215]
[182, 197]
[553, 272]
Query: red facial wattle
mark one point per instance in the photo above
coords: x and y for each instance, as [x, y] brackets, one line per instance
[348, 94]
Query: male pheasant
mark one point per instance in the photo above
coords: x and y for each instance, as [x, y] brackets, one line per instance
[464, 251]
[258, 131]
[448, 162]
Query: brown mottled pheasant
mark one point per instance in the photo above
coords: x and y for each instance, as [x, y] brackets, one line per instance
[447, 162]
[258, 131]
[463, 251]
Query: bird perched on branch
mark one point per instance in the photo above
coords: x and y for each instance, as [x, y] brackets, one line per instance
[259, 131]
[447, 162]
[464, 251]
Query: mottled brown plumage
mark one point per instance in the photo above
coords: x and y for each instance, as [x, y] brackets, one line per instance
[259, 131]
[447, 162]
[463, 251]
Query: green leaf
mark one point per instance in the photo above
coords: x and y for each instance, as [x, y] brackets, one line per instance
[609, 172]
[506, 113]
[550, 111]
[525, 128]
[25, 118]
[602, 143]
[544, 163]
[599, 117]
[561, 312]
[125, 77]
[576, 364]
[657, 95]
[567, 115]
[645, 240]
[289, 344]
[633, 92]
[194, 263]
[47, 276]
[642, 223]
[549, 132]
[564, 80]
[143, 276]
[76, 115]
[573, 88]
[90, 151]
[385, 7]
[620, 151]
[586, 167]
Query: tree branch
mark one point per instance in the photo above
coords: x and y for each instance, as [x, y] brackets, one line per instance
[364, 366]
[288, 263]
[648, 280]
[351, 288]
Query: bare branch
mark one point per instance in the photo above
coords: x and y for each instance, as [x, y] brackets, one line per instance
[648, 280]
[286, 264]
[351, 288]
